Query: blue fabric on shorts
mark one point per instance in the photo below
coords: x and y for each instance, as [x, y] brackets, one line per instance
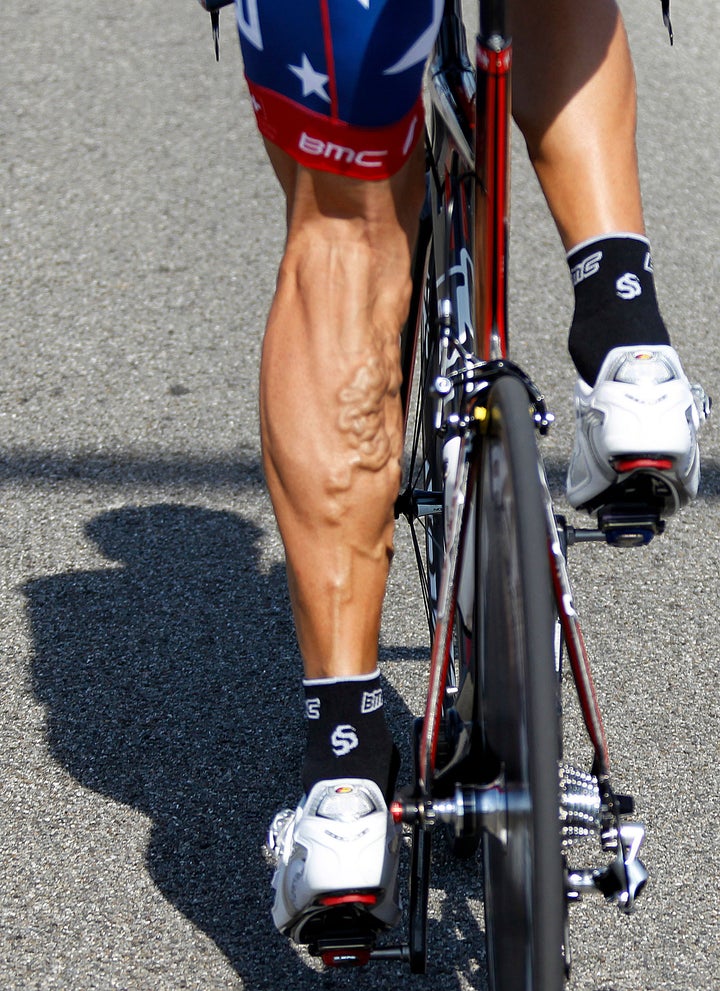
[354, 64]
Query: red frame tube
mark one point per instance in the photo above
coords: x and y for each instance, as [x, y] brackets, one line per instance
[492, 166]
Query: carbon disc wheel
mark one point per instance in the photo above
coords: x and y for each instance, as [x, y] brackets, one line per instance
[516, 698]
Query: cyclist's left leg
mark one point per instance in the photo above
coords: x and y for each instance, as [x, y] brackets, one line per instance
[336, 90]
[332, 438]
[331, 419]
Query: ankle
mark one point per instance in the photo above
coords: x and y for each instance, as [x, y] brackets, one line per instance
[615, 300]
[347, 735]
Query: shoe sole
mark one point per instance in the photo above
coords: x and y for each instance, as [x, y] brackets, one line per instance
[339, 927]
[644, 485]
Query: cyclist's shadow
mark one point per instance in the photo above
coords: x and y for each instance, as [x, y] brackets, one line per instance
[169, 679]
[171, 684]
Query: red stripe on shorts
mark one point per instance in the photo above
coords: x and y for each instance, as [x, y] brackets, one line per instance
[329, 57]
[330, 145]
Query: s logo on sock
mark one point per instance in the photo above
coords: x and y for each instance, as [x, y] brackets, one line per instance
[628, 286]
[343, 740]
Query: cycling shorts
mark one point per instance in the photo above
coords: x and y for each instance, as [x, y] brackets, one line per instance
[337, 84]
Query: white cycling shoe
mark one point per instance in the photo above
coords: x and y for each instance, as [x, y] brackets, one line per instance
[337, 862]
[636, 432]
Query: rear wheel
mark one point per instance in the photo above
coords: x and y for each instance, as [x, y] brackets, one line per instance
[515, 692]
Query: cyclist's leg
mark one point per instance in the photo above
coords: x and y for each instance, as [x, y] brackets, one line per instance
[337, 94]
[337, 97]
[338, 102]
[332, 438]
[574, 99]
[331, 418]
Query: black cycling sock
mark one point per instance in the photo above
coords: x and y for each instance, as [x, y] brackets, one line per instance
[347, 736]
[615, 301]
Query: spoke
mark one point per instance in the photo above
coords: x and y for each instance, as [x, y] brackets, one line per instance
[422, 572]
[417, 427]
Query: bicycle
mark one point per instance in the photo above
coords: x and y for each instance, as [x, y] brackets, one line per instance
[492, 557]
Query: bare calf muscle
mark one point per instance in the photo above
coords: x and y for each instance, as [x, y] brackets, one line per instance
[364, 413]
[331, 370]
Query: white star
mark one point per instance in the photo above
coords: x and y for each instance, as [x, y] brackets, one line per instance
[313, 83]
[422, 47]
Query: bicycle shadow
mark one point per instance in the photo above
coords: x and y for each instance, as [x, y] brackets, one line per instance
[169, 681]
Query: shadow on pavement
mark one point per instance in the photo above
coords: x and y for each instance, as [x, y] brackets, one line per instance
[121, 469]
[171, 684]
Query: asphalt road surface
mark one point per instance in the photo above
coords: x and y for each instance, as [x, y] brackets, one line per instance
[149, 695]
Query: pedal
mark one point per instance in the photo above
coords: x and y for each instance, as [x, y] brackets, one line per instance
[647, 482]
[343, 952]
[344, 936]
[339, 927]
[633, 510]
[629, 525]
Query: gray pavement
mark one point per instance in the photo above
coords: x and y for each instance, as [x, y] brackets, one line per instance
[149, 702]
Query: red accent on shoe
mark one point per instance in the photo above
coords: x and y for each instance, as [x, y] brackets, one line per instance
[633, 464]
[353, 899]
[346, 958]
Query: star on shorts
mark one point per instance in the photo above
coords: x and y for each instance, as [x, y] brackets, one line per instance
[313, 83]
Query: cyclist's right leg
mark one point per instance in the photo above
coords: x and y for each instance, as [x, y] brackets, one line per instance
[574, 99]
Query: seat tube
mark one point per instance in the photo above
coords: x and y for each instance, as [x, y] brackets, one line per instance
[492, 167]
[492, 18]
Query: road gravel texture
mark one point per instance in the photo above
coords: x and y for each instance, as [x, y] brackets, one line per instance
[150, 712]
